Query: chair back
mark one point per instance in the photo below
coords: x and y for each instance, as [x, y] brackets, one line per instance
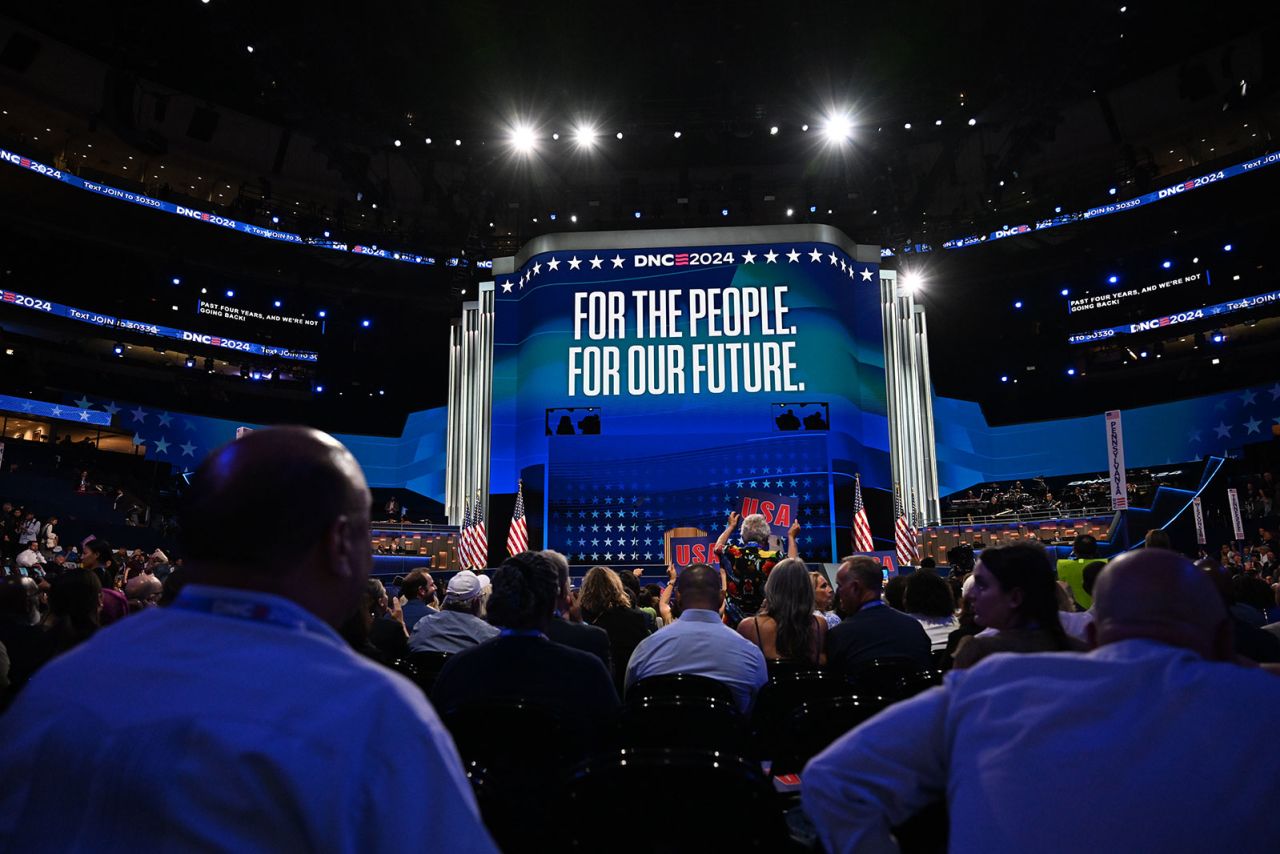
[815, 724]
[782, 695]
[424, 667]
[880, 677]
[680, 685]
[688, 722]
[720, 802]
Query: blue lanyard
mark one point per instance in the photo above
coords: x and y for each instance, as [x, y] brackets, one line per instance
[251, 610]
[521, 633]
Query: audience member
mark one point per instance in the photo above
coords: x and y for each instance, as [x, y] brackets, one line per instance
[824, 596]
[631, 585]
[75, 609]
[870, 629]
[248, 724]
[523, 664]
[457, 625]
[892, 591]
[1251, 642]
[927, 598]
[1157, 538]
[747, 564]
[31, 560]
[143, 591]
[1014, 593]
[786, 629]
[419, 592]
[28, 645]
[699, 643]
[604, 603]
[1154, 699]
[99, 557]
[566, 627]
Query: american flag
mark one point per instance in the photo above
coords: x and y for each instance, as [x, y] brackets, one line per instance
[861, 527]
[904, 534]
[518, 534]
[464, 537]
[479, 536]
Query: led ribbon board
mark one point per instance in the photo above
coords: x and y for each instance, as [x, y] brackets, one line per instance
[680, 355]
[42, 409]
[1176, 318]
[94, 318]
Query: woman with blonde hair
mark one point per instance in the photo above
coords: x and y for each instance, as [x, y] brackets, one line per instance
[604, 603]
[786, 629]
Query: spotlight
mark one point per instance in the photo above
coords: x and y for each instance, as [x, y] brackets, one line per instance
[1111, 280]
[972, 122]
[1143, 354]
[677, 134]
[1071, 372]
[276, 303]
[118, 349]
[190, 362]
[724, 212]
[585, 136]
[619, 134]
[427, 140]
[230, 294]
[804, 128]
[326, 234]
[1004, 378]
[397, 143]
[1111, 191]
[837, 129]
[1057, 209]
[204, 290]
[319, 388]
[176, 280]
[1226, 248]
[381, 392]
[938, 123]
[1167, 264]
[573, 217]
[907, 126]
[523, 139]
[275, 220]
[322, 313]
[365, 323]
[636, 214]
[1217, 337]
[911, 282]
[813, 208]
[1017, 304]
[457, 142]
[249, 48]
[773, 130]
[1195, 260]
[1065, 291]
[790, 211]
[255, 374]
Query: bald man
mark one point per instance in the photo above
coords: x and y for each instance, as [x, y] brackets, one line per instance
[248, 724]
[1118, 749]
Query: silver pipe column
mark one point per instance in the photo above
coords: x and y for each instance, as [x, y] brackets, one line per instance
[470, 407]
[910, 400]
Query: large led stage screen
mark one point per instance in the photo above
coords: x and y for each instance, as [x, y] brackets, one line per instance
[643, 380]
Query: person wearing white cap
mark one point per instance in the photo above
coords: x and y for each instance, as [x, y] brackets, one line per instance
[457, 625]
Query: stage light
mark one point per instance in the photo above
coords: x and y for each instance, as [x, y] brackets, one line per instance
[255, 374]
[1215, 361]
[677, 134]
[118, 349]
[1195, 260]
[397, 143]
[326, 234]
[523, 139]
[912, 282]
[1017, 304]
[573, 217]
[1057, 209]
[837, 129]
[276, 303]
[804, 128]
[230, 294]
[190, 362]
[773, 130]
[1071, 372]
[1226, 248]
[1001, 182]
[204, 290]
[1065, 292]
[275, 220]
[249, 48]
[427, 140]
[457, 142]
[1236, 277]
[1004, 379]
[322, 313]
[551, 217]
[1217, 337]
[724, 212]
[365, 323]
[907, 126]
[381, 392]
[1143, 354]
[636, 214]
[1167, 264]
[619, 134]
[938, 123]
[176, 280]
[1111, 280]
[813, 208]
[319, 389]
[585, 136]
[972, 122]
[790, 211]
[1111, 191]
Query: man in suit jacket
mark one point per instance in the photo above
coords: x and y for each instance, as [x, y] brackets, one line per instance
[873, 629]
[522, 663]
[564, 630]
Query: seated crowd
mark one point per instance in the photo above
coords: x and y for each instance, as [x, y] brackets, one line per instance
[265, 705]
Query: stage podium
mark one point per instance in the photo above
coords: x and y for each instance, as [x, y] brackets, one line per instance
[677, 533]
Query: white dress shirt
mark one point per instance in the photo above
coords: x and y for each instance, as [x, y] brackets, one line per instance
[27, 558]
[699, 643]
[1125, 748]
[229, 721]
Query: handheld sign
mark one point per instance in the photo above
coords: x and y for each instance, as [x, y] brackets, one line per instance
[778, 510]
[690, 550]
